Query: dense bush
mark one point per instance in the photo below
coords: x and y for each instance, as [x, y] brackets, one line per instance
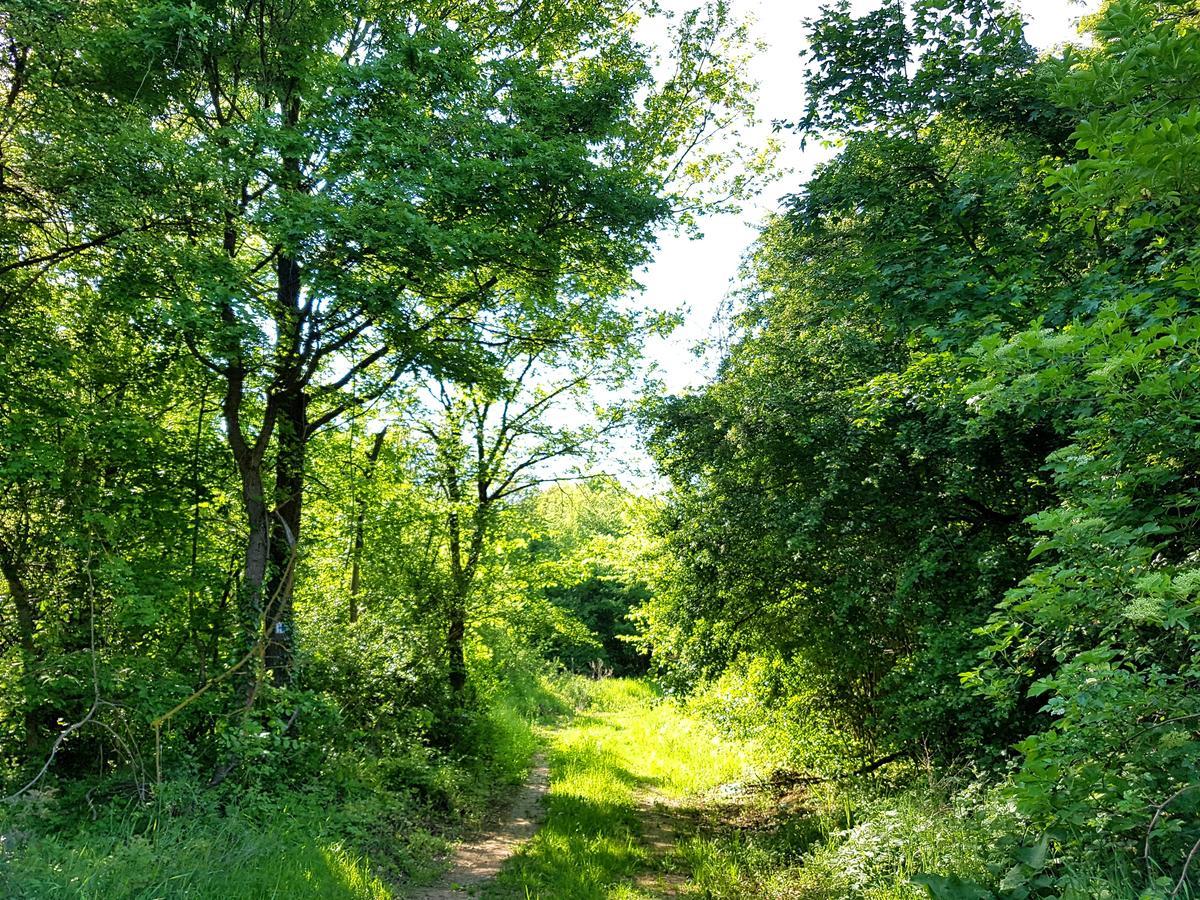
[945, 477]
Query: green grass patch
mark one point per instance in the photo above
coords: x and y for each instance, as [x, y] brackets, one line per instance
[292, 852]
[362, 828]
[626, 744]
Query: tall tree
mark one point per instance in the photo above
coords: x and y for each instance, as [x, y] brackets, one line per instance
[354, 183]
[487, 444]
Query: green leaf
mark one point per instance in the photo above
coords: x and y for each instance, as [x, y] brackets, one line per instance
[952, 887]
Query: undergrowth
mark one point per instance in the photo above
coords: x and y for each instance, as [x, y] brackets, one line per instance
[905, 832]
[850, 841]
[361, 826]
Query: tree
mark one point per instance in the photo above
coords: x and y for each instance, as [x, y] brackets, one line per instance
[488, 444]
[953, 444]
[835, 501]
[345, 188]
[1097, 634]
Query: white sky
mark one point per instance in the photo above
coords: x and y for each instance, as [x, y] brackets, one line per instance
[694, 276]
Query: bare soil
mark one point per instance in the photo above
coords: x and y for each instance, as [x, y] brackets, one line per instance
[478, 861]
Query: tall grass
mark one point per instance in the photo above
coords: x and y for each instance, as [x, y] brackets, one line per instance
[293, 854]
[362, 830]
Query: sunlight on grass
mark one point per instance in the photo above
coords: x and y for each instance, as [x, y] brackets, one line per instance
[680, 756]
[629, 745]
[351, 874]
[204, 859]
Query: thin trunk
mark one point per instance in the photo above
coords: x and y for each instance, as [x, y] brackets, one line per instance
[464, 562]
[247, 456]
[254, 505]
[456, 647]
[355, 566]
[360, 515]
[456, 628]
[254, 571]
[197, 492]
[26, 627]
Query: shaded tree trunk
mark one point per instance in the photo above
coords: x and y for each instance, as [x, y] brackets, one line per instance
[291, 437]
[26, 608]
[285, 536]
[248, 459]
[456, 626]
[456, 633]
[360, 515]
[464, 562]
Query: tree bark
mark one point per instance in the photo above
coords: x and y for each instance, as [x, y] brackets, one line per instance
[285, 536]
[456, 648]
[464, 563]
[360, 515]
[254, 505]
[26, 628]
[290, 451]
[456, 626]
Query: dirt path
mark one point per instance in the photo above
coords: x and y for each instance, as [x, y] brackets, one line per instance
[478, 861]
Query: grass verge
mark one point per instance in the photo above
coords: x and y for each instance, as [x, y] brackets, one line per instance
[364, 826]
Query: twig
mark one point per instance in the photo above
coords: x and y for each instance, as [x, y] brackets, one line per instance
[1186, 864]
[96, 702]
[781, 779]
[1158, 811]
[69, 730]
[255, 650]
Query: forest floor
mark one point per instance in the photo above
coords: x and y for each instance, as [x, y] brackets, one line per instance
[632, 797]
[633, 781]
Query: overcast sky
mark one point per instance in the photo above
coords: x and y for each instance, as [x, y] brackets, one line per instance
[694, 275]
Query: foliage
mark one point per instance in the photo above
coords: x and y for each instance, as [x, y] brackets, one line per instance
[241, 245]
[368, 823]
[945, 474]
[851, 841]
[585, 550]
[1099, 630]
[828, 484]
[305, 310]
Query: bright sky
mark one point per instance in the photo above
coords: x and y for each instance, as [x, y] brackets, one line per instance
[694, 276]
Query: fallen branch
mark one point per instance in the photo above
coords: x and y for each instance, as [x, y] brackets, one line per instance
[782, 778]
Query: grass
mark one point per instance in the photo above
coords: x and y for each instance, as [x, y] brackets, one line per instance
[365, 826]
[226, 858]
[623, 747]
[628, 748]
[631, 815]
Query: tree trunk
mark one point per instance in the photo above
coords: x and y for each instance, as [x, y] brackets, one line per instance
[360, 515]
[291, 447]
[26, 627]
[464, 563]
[456, 626]
[285, 535]
[254, 505]
[355, 566]
[456, 648]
